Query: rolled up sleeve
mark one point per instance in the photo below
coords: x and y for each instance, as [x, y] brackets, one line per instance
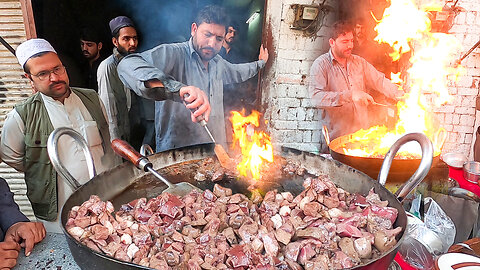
[134, 70]
[237, 73]
[376, 80]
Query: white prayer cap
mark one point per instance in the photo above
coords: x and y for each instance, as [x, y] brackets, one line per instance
[32, 47]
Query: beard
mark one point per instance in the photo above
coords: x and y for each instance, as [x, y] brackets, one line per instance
[126, 51]
[343, 53]
[88, 55]
[206, 53]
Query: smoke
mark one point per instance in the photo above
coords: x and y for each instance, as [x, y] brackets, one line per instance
[160, 21]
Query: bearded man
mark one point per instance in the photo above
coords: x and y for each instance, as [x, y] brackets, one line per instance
[91, 46]
[114, 95]
[339, 85]
[192, 64]
[27, 127]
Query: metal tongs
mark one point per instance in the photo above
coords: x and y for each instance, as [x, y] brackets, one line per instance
[140, 161]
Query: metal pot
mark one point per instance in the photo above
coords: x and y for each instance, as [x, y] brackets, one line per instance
[471, 171]
[400, 170]
[125, 183]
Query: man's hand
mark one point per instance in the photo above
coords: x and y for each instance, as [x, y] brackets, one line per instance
[197, 101]
[361, 98]
[27, 234]
[263, 54]
[8, 254]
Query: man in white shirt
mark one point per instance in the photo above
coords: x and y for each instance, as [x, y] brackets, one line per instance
[111, 90]
[54, 104]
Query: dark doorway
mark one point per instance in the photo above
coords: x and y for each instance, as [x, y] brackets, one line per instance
[165, 21]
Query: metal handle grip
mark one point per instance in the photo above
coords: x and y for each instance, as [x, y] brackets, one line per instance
[326, 135]
[420, 173]
[52, 149]
[125, 150]
[146, 150]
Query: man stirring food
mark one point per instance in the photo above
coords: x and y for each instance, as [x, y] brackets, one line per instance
[194, 64]
[340, 81]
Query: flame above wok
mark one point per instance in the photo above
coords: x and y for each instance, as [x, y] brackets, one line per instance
[425, 79]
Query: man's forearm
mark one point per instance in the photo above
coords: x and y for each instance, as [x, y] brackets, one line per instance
[325, 99]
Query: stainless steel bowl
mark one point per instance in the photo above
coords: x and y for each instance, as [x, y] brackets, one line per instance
[455, 160]
[471, 171]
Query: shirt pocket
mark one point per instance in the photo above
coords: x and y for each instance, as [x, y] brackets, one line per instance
[92, 133]
[36, 148]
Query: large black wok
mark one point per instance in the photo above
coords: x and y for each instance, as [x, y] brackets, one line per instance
[125, 183]
[400, 171]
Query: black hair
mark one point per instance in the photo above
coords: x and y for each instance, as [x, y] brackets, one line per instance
[26, 68]
[90, 34]
[213, 14]
[341, 28]
[234, 25]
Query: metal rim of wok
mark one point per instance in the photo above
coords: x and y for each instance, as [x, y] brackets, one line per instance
[111, 183]
[400, 170]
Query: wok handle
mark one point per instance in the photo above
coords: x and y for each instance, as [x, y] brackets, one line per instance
[422, 170]
[52, 149]
[125, 150]
[325, 135]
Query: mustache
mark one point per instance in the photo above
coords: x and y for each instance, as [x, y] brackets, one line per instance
[58, 82]
[208, 48]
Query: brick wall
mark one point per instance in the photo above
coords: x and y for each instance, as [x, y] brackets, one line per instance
[293, 120]
[460, 120]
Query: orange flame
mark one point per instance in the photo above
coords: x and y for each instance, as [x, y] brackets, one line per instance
[256, 146]
[431, 58]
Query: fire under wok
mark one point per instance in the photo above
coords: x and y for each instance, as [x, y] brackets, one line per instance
[400, 171]
[125, 183]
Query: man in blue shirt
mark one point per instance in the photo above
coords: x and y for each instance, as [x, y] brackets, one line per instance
[15, 229]
[194, 64]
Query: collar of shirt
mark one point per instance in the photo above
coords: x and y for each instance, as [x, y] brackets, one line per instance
[53, 101]
[333, 59]
[191, 49]
[117, 56]
[192, 52]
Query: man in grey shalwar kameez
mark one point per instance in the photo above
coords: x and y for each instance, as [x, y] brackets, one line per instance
[194, 63]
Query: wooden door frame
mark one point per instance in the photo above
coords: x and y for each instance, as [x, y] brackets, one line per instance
[28, 19]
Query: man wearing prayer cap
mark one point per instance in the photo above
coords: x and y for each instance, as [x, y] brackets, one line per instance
[116, 97]
[54, 104]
